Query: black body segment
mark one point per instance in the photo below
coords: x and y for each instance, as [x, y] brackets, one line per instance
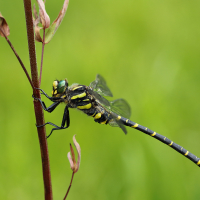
[161, 138]
[80, 97]
[90, 100]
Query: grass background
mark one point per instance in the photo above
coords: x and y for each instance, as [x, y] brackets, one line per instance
[149, 53]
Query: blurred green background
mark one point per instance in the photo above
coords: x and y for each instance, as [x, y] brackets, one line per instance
[149, 53]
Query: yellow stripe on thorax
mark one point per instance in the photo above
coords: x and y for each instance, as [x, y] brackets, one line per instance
[198, 163]
[97, 116]
[104, 122]
[77, 87]
[93, 114]
[87, 106]
[63, 96]
[79, 96]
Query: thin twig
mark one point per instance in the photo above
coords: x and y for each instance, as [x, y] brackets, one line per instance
[37, 106]
[69, 186]
[43, 43]
[20, 61]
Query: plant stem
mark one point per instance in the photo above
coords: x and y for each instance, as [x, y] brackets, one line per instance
[37, 106]
[69, 186]
[19, 59]
[43, 43]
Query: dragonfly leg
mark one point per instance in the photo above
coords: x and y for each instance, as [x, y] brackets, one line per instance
[65, 122]
[50, 98]
[50, 108]
[43, 92]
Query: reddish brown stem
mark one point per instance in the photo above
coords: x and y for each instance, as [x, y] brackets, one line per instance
[69, 186]
[19, 59]
[43, 43]
[37, 106]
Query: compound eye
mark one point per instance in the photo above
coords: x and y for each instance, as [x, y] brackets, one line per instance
[61, 87]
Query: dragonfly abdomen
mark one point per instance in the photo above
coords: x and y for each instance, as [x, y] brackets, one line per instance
[98, 113]
[161, 138]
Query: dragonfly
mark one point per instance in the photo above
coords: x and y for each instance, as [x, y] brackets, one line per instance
[91, 100]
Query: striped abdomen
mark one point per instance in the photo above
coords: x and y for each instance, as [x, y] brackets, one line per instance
[161, 138]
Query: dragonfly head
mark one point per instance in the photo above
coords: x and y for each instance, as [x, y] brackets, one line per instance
[59, 88]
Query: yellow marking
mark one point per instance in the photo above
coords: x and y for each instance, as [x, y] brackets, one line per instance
[55, 92]
[104, 122]
[119, 117]
[186, 153]
[77, 87]
[127, 121]
[87, 106]
[93, 114]
[164, 138]
[198, 162]
[145, 128]
[97, 116]
[181, 148]
[55, 84]
[63, 96]
[171, 144]
[85, 100]
[153, 134]
[79, 95]
[135, 126]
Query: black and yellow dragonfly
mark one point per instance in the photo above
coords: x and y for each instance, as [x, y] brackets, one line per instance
[90, 99]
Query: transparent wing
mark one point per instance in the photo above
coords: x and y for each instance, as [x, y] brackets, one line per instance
[98, 89]
[115, 108]
[101, 100]
[117, 123]
[120, 107]
[99, 86]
